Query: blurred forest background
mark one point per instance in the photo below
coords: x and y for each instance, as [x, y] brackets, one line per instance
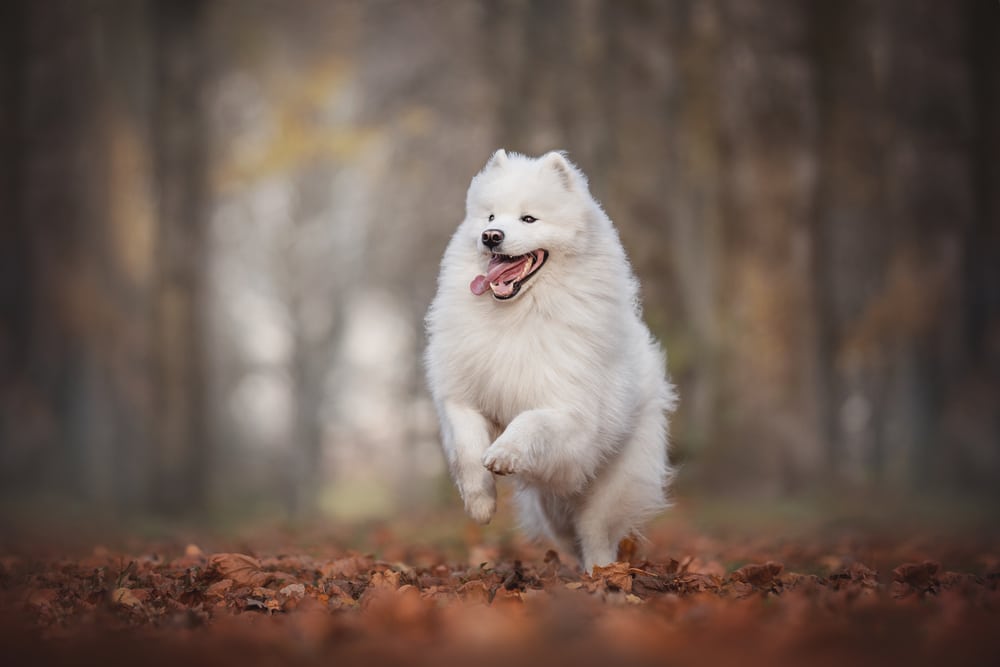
[221, 220]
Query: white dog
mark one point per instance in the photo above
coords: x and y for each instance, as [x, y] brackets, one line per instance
[553, 377]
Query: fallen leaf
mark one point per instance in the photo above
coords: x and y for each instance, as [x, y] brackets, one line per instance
[617, 576]
[758, 575]
[345, 568]
[338, 598]
[42, 597]
[645, 584]
[386, 579]
[219, 588]
[918, 575]
[124, 597]
[515, 579]
[242, 569]
[293, 590]
[627, 549]
[855, 573]
[699, 566]
[475, 591]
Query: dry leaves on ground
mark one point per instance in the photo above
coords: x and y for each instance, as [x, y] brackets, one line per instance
[352, 607]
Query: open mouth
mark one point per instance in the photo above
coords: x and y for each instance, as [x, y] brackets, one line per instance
[507, 273]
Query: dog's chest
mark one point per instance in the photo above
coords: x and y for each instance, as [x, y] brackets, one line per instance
[510, 368]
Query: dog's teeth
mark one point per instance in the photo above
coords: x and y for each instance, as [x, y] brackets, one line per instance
[527, 267]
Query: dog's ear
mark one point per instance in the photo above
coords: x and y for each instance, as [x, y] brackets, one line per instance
[499, 159]
[556, 160]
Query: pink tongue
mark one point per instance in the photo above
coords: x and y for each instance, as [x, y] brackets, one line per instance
[479, 285]
[498, 270]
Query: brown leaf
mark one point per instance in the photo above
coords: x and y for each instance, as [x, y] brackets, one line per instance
[293, 591]
[855, 573]
[918, 575]
[475, 591]
[617, 576]
[758, 575]
[962, 581]
[503, 596]
[124, 597]
[242, 569]
[696, 582]
[42, 598]
[515, 579]
[338, 598]
[627, 549]
[385, 580]
[345, 568]
[741, 589]
[698, 566]
[219, 588]
[645, 584]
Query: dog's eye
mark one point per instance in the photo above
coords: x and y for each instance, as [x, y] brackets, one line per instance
[491, 217]
[528, 218]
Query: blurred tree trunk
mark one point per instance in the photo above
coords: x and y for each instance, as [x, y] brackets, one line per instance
[76, 399]
[849, 230]
[981, 244]
[55, 204]
[507, 22]
[695, 211]
[767, 443]
[314, 335]
[126, 231]
[180, 463]
[931, 205]
[891, 215]
[972, 408]
[17, 283]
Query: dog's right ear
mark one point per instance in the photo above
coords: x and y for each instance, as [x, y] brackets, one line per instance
[499, 159]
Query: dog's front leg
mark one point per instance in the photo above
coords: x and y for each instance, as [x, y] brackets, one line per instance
[466, 436]
[550, 446]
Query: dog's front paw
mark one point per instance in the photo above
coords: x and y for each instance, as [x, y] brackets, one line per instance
[503, 459]
[481, 506]
[479, 493]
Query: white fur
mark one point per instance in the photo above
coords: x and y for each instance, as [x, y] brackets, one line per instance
[561, 386]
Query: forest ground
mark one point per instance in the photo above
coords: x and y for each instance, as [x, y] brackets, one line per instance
[710, 584]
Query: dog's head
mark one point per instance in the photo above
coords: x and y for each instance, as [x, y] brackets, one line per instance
[522, 213]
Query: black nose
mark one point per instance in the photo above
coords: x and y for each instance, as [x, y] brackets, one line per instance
[492, 238]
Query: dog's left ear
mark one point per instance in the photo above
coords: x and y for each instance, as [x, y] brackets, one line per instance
[556, 160]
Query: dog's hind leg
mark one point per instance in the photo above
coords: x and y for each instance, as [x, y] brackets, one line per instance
[466, 436]
[627, 492]
[544, 515]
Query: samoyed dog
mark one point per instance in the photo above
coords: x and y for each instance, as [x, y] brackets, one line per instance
[540, 365]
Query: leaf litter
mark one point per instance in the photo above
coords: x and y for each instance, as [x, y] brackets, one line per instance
[703, 601]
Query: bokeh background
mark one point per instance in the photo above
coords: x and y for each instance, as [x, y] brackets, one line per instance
[221, 220]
